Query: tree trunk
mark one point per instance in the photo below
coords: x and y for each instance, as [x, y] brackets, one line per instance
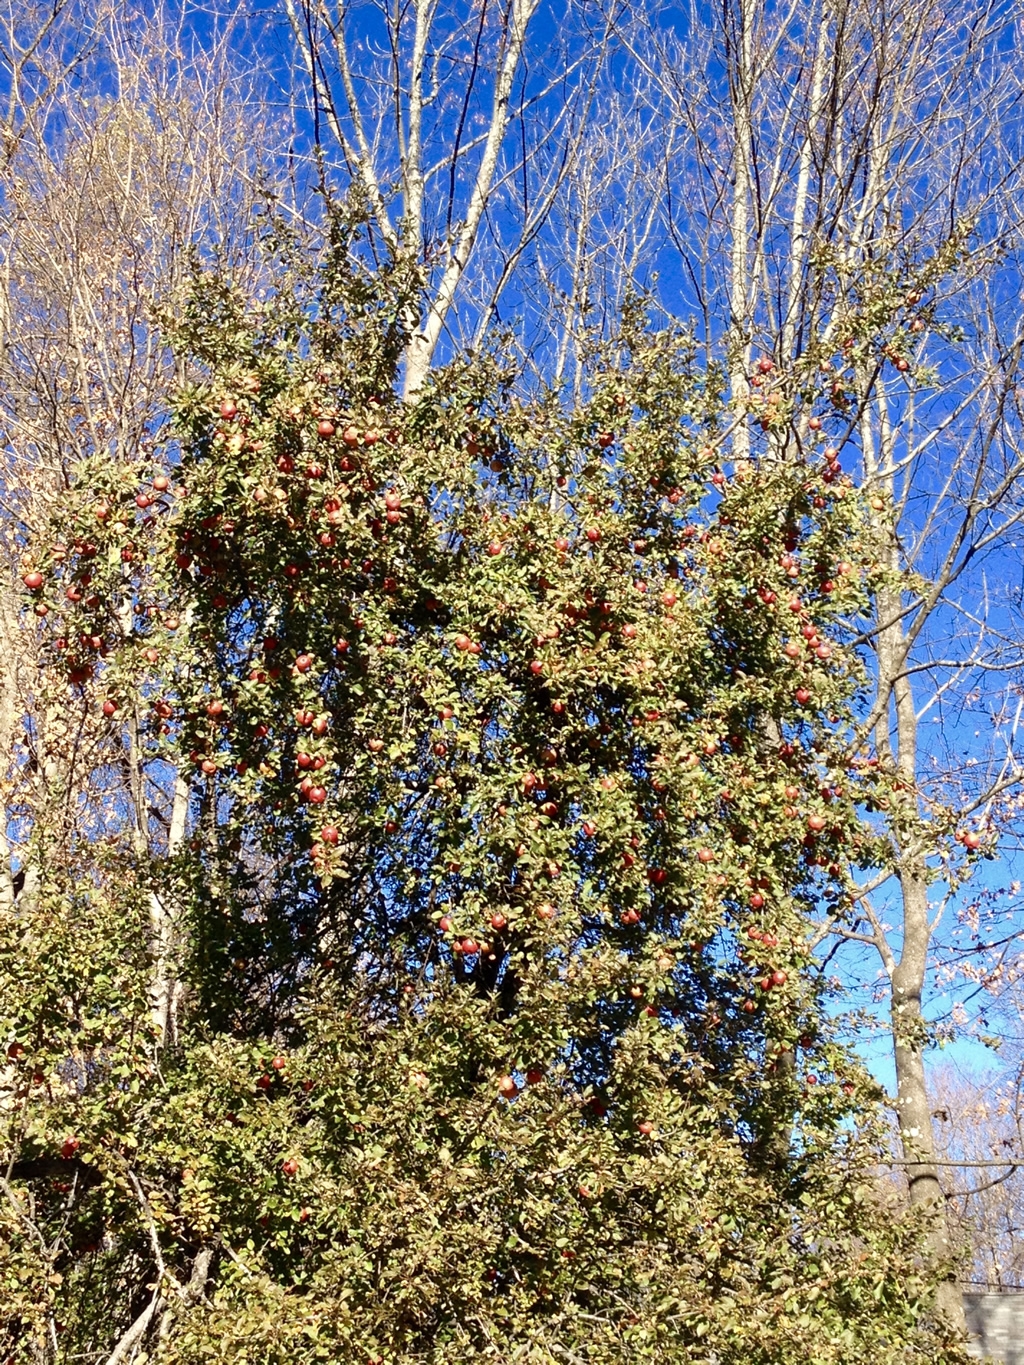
[913, 1106]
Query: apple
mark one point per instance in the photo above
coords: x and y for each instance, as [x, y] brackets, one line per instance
[646, 1127]
[779, 978]
[802, 695]
[109, 708]
[325, 427]
[495, 548]
[279, 1063]
[534, 1076]
[705, 855]
[33, 581]
[161, 483]
[228, 408]
[507, 1087]
[290, 1165]
[546, 911]
[593, 534]
[561, 544]
[317, 795]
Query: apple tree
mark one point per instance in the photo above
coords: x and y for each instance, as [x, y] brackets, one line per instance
[462, 1005]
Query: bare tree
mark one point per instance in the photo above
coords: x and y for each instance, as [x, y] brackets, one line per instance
[847, 217]
[978, 1127]
[419, 105]
[105, 200]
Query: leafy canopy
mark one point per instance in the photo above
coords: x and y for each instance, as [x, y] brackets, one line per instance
[518, 735]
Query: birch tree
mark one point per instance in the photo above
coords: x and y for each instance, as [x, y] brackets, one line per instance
[458, 125]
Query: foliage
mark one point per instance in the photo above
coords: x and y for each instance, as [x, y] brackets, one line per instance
[518, 738]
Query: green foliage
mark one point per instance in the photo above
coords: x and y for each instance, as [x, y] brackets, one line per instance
[519, 741]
